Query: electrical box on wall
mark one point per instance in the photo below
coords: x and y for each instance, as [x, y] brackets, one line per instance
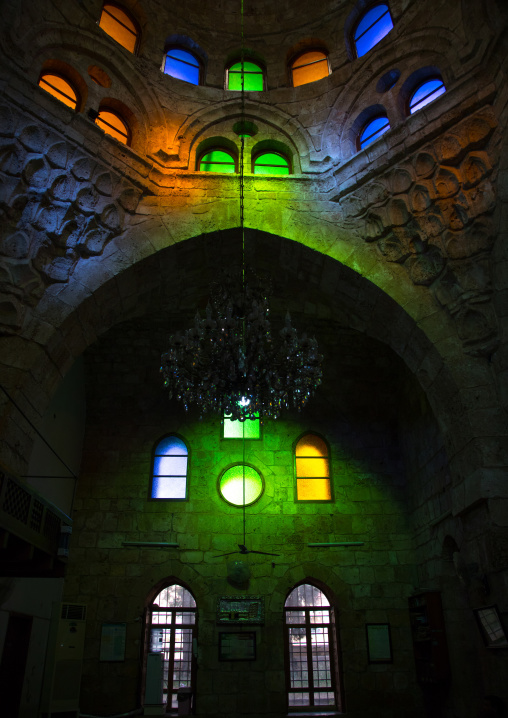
[62, 677]
[429, 638]
[154, 702]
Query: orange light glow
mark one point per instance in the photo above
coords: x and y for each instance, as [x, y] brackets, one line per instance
[118, 25]
[59, 88]
[310, 67]
[113, 125]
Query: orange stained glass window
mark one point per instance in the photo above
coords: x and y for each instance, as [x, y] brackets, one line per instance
[113, 125]
[59, 88]
[312, 469]
[309, 67]
[118, 25]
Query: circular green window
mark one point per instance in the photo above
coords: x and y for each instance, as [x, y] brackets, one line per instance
[231, 485]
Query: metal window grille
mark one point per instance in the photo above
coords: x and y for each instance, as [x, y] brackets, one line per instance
[311, 675]
[17, 502]
[36, 515]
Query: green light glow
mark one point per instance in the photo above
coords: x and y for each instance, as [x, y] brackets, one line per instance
[253, 75]
[217, 161]
[271, 163]
[236, 429]
[231, 485]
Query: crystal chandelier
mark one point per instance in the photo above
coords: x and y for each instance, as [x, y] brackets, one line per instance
[229, 362]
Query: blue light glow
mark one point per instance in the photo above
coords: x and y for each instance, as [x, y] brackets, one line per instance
[373, 130]
[372, 28]
[182, 65]
[427, 92]
[170, 463]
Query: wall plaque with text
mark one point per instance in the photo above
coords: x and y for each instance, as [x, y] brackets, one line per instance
[241, 610]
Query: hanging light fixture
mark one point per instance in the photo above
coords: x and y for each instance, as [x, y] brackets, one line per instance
[229, 362]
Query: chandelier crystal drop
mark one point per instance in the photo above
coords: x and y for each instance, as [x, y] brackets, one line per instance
[230, 363]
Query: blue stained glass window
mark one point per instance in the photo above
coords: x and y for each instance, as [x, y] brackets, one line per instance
[182, 65]
[372, 130]
[425, 93]
[374, 25]
[170, 463]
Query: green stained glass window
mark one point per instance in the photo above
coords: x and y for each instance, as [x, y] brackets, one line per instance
[217, 161]
[253, 77]
[248, 429]
[271, 163]
[241, 485]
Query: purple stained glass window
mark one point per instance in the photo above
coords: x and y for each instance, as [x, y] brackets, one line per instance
[425, 93]
[374, 25]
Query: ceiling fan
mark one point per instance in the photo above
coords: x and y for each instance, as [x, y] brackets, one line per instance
[244, 550]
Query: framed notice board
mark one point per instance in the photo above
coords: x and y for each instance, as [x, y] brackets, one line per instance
[379, 644]
[237, 646]
[113, 642]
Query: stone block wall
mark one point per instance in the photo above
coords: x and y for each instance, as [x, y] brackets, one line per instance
[127, 413]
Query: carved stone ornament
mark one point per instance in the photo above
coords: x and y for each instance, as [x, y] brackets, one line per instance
[433, 215]
[57, 206]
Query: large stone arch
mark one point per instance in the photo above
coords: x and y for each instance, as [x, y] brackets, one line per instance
[312, 286]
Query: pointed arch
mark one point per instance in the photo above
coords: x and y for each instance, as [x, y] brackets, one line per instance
[171, 624]
[311, 647]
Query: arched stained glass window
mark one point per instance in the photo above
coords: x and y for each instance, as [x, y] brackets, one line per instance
[372, 28]
[252, 73]
[312, 468]
[217, 161]
[312, 667]
[372, 130]
[309, 67]
[182, 65]
[60, 88]
[172, 629]
[113, 125]
[118, 24]
[270, 163]
[170, 466]
[425, 93]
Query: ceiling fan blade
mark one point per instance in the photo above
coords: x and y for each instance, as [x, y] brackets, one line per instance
[220, 555]
[265, 553]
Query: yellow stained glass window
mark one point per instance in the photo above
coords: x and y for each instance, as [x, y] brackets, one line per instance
[59, 88]
[312, 465]
[309, 67]
[113, 125]
[118, 25]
